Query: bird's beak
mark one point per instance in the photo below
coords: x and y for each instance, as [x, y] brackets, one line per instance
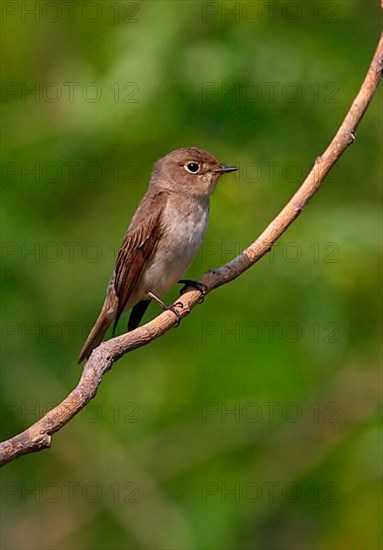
[224, 168]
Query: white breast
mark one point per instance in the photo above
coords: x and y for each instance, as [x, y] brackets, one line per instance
[182, 237]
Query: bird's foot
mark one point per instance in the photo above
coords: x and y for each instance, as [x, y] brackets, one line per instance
[165, 307]
[189, 283]
[176, 312]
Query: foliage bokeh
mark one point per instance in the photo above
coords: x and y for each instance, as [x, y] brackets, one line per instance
[255, 424]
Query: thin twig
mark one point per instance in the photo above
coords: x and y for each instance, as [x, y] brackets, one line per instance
[39, 435]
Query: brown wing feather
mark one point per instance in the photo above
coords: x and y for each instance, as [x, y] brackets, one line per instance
[137, 248]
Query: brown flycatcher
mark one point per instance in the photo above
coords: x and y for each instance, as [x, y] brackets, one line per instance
[162, 239]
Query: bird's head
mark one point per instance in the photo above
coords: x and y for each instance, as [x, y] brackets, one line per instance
[189, 170]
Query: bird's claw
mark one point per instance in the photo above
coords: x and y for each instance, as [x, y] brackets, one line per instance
[189, 283]
[174, 309]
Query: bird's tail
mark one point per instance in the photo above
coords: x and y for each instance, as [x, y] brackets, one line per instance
[96, 334]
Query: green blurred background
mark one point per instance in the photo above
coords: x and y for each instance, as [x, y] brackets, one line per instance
[256, 423]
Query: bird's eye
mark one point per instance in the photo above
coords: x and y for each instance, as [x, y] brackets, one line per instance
[192, 167]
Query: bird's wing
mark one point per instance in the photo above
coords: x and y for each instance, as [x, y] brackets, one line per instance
[137, 249]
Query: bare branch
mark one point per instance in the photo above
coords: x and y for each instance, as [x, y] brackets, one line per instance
[38, 436]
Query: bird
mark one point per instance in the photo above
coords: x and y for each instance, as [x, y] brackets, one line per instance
[162, 239]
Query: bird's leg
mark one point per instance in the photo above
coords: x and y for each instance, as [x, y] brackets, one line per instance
[165, 307]
[189, 283]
